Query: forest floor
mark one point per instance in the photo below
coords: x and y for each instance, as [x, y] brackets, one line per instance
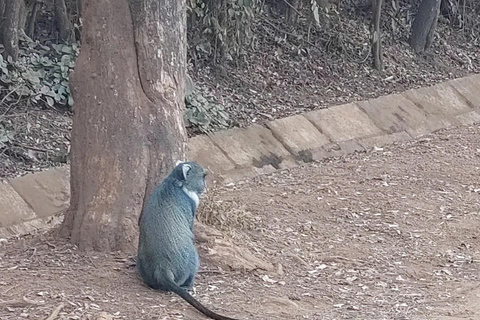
[386, 234]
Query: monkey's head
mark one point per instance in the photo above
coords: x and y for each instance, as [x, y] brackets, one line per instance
[191, 176]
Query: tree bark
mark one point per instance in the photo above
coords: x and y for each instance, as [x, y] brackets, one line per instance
[65, 27]
[79, 8]
[32, 19]
[128, 86]
[423, 27]
[377, 35]
[292, 9]
[2, 10]
[22, 15]
[9, 28]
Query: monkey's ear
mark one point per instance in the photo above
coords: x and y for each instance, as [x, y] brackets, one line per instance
[185, 169]
[178, 162]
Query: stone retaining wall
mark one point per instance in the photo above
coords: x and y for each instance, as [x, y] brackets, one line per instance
[29, 202]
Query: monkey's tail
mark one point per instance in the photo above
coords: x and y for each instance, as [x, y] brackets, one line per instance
[197, 305]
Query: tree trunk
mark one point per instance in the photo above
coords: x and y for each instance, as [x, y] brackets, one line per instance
[22, 15]
[2, 10]
[292, 10]
[79, 8]
[9, 28]
[424, 25]
[377, 35]
[128, 86]
[65, 27]
[32, 19]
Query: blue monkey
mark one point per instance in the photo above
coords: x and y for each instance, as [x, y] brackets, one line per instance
[167, 259]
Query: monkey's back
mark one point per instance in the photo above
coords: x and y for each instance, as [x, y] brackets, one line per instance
[166, 239]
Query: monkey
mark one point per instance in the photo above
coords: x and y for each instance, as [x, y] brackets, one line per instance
[167, 259]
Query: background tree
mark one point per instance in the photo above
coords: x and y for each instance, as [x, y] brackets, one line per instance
[9, 26]
[292, 10]
[423, 27]
[65, 27]
[128, 130]
[19, 16]
[32, 18]
[377, 35]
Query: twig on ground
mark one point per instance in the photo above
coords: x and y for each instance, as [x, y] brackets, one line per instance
[291, 6]
[337, 259]
[20, 303]
[292, 35]
[11, 105]
[56, 311]
[4, 293]
[32, 148]
[33, 253]
[7, 95]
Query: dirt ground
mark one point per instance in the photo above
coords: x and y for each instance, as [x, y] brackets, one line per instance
[387, 234]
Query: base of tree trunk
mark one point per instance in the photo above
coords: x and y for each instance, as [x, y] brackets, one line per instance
[9, 28]
[424, 25]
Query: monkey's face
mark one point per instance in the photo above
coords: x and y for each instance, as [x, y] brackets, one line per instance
[194, 177]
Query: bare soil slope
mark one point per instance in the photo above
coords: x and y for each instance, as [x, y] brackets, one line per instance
[389, 234]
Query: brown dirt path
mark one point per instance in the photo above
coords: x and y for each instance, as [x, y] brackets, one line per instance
[388, 234]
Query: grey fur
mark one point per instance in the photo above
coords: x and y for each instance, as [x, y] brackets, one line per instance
[167, 259]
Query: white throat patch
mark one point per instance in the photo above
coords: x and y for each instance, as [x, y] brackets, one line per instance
[192, 195]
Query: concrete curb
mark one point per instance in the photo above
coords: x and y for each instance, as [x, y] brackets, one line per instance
[30, 202]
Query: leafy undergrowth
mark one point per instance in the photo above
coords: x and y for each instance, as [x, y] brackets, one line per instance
[35, 120]
[284, 75]
[40, 74]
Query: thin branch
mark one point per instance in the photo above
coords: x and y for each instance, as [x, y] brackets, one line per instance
[292, 35]
[56, 312]
[32, 148]
[291, 6]
[8, 94]
[20, 303]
